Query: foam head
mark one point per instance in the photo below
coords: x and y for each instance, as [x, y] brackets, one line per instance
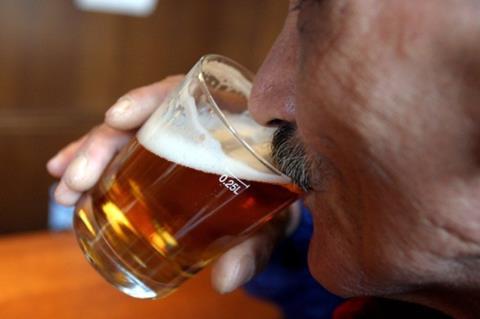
[186, 130]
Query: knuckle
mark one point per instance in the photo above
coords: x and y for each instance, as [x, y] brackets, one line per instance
[101, 134]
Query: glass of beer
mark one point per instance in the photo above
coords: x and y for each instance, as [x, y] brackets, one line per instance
[196, 180]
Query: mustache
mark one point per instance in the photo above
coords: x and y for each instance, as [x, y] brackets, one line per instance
[289, 156]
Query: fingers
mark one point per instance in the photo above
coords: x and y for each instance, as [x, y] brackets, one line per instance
[89, 162]
[135, 107]
[238, 265]
[57, 165]
[241, 263]
[82, 162]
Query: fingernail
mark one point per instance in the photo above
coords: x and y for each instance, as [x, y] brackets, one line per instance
[65, 196]
[120, 108]
[77, 169]
[241, 274]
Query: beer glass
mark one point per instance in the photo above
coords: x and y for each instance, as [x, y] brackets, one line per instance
[196, 180]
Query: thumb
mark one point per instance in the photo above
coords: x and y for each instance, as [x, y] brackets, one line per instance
[241, 263]
[238, 265]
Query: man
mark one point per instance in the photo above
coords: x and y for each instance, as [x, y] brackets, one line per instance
[380, 100]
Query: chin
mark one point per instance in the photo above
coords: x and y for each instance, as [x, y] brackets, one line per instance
[328, 268]
[331, 259]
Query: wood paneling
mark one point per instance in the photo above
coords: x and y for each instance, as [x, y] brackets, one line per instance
[60, 68]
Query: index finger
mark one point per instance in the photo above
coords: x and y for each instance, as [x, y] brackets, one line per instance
[133, 109]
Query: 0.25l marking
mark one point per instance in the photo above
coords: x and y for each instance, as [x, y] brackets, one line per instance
[232, 184]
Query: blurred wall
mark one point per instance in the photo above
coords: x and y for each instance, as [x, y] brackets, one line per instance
[61, 68]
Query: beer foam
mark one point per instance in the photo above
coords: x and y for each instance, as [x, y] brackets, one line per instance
[178, 133]
[235, 78]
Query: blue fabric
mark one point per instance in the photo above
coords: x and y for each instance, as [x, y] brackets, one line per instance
[287, 281]
[59, 217]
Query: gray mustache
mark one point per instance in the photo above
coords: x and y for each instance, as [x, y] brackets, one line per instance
[288, 155]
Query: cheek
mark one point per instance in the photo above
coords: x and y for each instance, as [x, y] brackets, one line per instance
[369, 237]
[336, 242]
[361, 246]
[359, 220]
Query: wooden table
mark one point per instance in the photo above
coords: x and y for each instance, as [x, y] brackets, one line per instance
[45, 276]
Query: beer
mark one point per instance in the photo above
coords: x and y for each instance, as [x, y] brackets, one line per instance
[185, 218]
[181, 193]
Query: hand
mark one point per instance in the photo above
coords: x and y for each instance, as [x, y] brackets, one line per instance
[80, 164]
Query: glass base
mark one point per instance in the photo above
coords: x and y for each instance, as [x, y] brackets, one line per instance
[100, 258]
[105, 260]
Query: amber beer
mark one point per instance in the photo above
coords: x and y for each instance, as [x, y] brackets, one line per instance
[184, 220]
[180, 194]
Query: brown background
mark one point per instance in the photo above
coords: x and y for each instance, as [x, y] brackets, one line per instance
[60, 68]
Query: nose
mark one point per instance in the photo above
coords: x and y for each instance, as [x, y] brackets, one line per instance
[272, 99]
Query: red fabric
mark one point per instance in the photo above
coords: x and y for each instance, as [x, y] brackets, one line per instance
[351, 309]
[379, 308]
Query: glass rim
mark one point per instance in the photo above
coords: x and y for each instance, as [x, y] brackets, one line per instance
[244, 71]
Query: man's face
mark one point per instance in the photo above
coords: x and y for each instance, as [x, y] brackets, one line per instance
[375, 98]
